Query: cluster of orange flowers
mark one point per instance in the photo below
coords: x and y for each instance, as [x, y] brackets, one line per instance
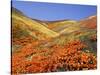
[22, 41]
[57, 58]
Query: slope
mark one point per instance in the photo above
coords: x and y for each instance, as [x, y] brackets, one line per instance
[32, 25]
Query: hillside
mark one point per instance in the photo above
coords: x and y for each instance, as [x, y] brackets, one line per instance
[30, 25]
[90, 22]
[69, 30]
